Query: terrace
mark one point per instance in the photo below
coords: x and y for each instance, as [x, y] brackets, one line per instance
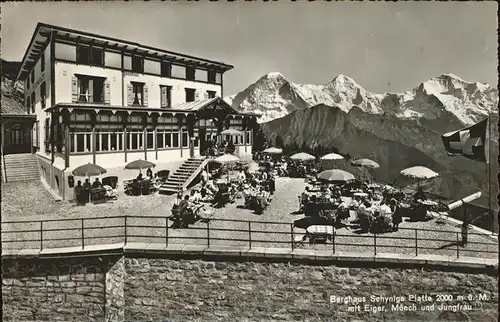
[32, 220]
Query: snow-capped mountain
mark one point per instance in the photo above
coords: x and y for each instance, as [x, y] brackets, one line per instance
[447, 96]
[398, 130]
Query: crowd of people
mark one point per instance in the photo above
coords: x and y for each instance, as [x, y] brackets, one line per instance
[369, 206]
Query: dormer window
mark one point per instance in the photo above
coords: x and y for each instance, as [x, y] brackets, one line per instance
[137, 64]
[190, 73]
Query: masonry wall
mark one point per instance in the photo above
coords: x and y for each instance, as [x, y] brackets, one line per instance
[159, 289]
[136, 288]
[54, 290]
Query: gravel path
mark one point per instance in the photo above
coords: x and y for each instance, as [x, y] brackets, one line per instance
[30, 202]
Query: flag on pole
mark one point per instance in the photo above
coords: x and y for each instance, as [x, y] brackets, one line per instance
[470, 142]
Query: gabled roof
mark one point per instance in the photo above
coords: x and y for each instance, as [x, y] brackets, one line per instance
[204, 104]
[43, 31]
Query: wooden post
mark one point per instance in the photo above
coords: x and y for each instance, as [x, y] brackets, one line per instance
[375, 243]
[291, 230]
[208, 233]
[458, 249]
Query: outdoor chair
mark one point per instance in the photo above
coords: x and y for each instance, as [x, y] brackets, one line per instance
[111, 181]
[299, 240]
[163, 174]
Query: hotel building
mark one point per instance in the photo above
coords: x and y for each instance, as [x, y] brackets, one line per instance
[108, 101]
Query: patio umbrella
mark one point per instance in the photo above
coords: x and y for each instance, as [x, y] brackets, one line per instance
[227, 159]
[231, 132]
[88, 170]
[332, 157]
[366, 163]
[139, 165]
[273, 151]
[419, 173]
[336, 175]
[302, 157]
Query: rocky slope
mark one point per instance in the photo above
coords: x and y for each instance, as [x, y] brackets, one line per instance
[12, 99]
[396, 130]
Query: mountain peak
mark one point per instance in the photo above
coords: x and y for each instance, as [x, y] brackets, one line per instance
[274, 75]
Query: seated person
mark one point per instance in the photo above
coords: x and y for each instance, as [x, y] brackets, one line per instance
[139, 177]
[419, 195]
[149, 173]
[183, 205]
[135, 187]
[311, 208]
[97, 183]
[306, 195]
[194, 197]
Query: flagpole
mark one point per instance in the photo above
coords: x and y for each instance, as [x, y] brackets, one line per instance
[489, 176]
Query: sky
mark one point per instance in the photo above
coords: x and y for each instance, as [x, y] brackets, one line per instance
[385, 47]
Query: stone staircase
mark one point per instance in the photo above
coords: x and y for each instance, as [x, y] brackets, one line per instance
[181, 178]
[21, 167]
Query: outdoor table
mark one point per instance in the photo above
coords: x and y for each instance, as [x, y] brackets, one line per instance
[97, 194]
[360, 194]
[319, 232]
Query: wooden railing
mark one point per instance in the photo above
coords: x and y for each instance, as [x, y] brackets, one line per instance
[56, 233]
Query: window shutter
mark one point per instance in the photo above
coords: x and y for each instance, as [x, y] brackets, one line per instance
[107, 92]
[197, 95]
[145, 95]
[163, 96]
[74, 89]
[205, 95]
[130, 95]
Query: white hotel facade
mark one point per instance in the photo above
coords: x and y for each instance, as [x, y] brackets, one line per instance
[108, 101]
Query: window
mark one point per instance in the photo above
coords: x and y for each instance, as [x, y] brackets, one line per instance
[109, 133]
[135, 139]
[166, 69]
[86, 55]
[249, 137]
[33, 102]
[185, 141]
[150, 139]
[32, 78]
[211, 94]
[190, 73]
[28, 83]
[211, 76]
[138, 93]
[43, 94]
[190, 94]
[166, 96]
[42, 62]
[90, 89]
[28, 104]
[47, 134]
[137, 64]
[83, 55]
[80, 138]
[97, 57]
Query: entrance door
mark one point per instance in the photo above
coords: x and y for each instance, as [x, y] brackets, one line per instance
[17, 139]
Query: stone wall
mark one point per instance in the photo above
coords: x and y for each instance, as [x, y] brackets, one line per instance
[159, 289]
[53, 290]
[139, 288]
